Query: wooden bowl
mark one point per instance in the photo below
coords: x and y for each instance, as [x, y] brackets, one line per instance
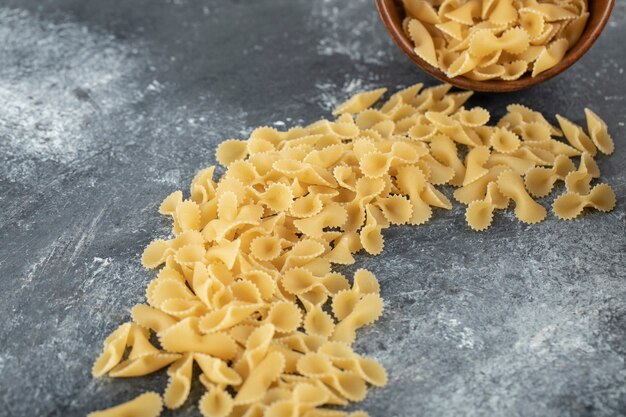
[392, 13]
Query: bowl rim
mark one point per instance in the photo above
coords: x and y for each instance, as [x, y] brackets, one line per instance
[572, 55]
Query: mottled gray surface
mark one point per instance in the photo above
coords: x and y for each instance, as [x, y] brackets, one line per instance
[108, 106]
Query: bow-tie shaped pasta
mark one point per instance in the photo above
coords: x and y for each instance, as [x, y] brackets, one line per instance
[424, 45]
[550, 56]
[114, 347]
[474, 164]
[452, 128]
[598, 132]
[504, 141]
[412, 182]
[244, 286]
[151, 318]
[148, 404]
[343, 357]
[360, 101]
[499, 12]
[179, 384]
[260, 378]
[579, 181]
[540, 181]
[143, 358]
[484, 42]
[216, 402]
[550, 12]
[479, 213]
[185, 336]
[445, 151]
[520, 164]
[376, 164]
[576, 136]
[353, 315]
[493, 39]
[305, 398]
[570, 205]
[527, 210]
[347, 384]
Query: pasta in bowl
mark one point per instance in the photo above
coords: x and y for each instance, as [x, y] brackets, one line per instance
[494, 45]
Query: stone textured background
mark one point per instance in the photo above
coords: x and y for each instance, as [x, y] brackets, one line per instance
[108, 106]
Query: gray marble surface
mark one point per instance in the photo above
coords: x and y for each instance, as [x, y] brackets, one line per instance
[108, 106]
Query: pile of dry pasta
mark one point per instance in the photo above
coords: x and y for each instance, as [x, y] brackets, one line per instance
[494, 39]
[245, 288]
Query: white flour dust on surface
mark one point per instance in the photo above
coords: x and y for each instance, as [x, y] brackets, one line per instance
[55, 78]
[350, 31]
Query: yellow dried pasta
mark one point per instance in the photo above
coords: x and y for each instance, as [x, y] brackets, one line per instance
[494, 39]
[245, 287]
[145, 405]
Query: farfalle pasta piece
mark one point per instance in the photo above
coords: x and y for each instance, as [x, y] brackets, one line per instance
[570, 205]
[332, 216]
[360, 101]
[179, 385]
[504, 140]
[266, 248]
[318, 322]
[256, 349]
[517, 164]
[347, 384]
[216, 403]
[114, 348]
[143, 358]
[422, 10]
[277, 197]
[260, 378]
[576, 136]
[550, 56]
[343, 357]
[411, 181]
[151, 318]
[551, 12]
[185, 336]
[484, 42]
[424, 46]
[155, 253]
[479, 213]
[285, 316]
[444, 150]
[579, 181]
[527, 210]
[216, 370]
[230, 151]
[502, 12]
[395, 208]
[540, 181]
[365, 311]
[148, 404]
[168, 206]
[598, 132]
[226, 317]
[474, 164]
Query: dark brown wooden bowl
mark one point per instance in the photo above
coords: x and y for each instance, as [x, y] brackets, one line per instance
[392, 13]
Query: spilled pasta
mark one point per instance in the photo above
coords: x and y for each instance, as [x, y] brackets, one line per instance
[494, 39]
[245, 288]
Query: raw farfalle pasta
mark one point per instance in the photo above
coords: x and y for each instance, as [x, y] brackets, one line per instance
[570, 205]
[245, 292]
[145, 405]
[494, 39]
